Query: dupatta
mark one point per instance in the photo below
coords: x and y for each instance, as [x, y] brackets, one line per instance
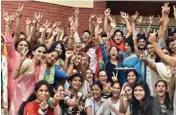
[134, 62]
[25, 87]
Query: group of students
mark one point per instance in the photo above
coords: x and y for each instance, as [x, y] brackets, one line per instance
[56, 72]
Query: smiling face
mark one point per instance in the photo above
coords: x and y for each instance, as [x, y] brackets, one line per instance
[78, 60]
[118, 37]
[52, 57]
[150, 50]
[116, 90]
[89, 75]
[85, 36]
[42, 93]
[77, 45]
[84, 60]
[76, 83]
[141, 43]
[139, 93]
[39, 53]
[131, 77]
[161, 89]
[96, 91]
[128, 90]
[113, 53]
[103, 77]
[59, 49]
[22, 45]
[127, 48]
[60, 90]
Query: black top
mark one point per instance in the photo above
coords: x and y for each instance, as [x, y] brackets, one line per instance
[109, 70]
[153, 108]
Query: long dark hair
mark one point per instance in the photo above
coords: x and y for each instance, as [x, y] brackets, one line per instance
[29, 46]
[135, 105]
[39, 45]
[129, 40]
[33, 96]
[53, 46]
[52, 50]
[134, 71]
[167, 101]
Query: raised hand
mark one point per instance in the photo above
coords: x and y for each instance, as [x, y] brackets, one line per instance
[46, 25]
[107, 87]
[151, 19]
[55, 31]
[73, 58]
[76, 11]
[23, 54]
[60, 31]
[58, 95]
[107, 12]
[114, 77]
[152, 36]
[54, 25]
[165, 8]
[100, 19]
[19, 10]
[134, 17]
[7, 18]
[139, 20]
[113, 23]
[124, 16]
[28, 21]
[38, 17]
[43, 104]
[160, 20]
[141, 55]
[71, 21]
[91, 17]
[122, 21]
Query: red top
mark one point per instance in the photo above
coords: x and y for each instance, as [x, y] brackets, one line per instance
[119, 46]
[33, 107]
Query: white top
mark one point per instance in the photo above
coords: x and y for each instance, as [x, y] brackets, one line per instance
[151, 77]
[116, 105]
[93, 58]
[97, 108]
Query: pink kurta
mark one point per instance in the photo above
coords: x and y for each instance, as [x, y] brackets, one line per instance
[25, 87]
[13, 55]
[20, 89]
